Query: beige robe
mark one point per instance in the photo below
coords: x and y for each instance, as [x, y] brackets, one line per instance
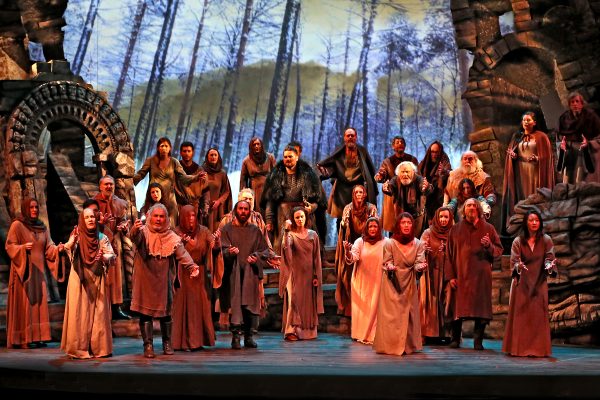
[27, 317]
[366, 285]
[302, 302]
[87, 331]
[399, 325]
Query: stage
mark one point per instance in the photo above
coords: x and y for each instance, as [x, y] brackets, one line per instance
[332, 366]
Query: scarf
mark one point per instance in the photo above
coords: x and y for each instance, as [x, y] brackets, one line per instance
[259, 158]
[184, 227]
[88, 242]
[34, 225]
[162, 241]
[398, 235]
[213, 168]
[438, 231]
[377, 237]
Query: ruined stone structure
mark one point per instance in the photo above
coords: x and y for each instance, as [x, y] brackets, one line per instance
[47, 115]
[528, 55]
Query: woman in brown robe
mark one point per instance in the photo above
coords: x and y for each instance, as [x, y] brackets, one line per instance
[87, 332]
[301, 283]
[398, 324]
[192, 318]
[255, 168]
[154, 195]
[31, 251]
[532, 258]
[433, 289]
[354, 219]
[529, 165]
[168, 172]
[159, 249]
[219, 188]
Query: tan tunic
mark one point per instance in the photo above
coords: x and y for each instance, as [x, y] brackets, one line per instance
[87, 331]
[398, 324]
[192, 318]
[27, 318]
[168, 179]
[302, 302]
[254, 176]
[528, 324]
[366, 286]
[219, 188]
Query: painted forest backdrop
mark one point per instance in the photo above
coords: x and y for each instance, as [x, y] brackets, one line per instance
[217, 72]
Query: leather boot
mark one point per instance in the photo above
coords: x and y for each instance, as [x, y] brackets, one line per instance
[146, 330]
[235, 340]
[249, 341]
[456, 331]
[165, 330]
[478, 330]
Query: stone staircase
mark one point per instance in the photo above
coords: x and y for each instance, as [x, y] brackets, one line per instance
[328, 322]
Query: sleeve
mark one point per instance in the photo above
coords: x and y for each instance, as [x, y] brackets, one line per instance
[515, 257]
[54, 260]
[108, 253]
[549, 257]
[142, 172]
[17, 253]
[180, 174]
[420, 260]
[356, 251]
[184, 259]
[388, 256]
[244, 175]
[495, 249]
[450, 272]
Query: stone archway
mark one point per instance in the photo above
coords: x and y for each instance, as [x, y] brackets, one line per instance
[50, 103]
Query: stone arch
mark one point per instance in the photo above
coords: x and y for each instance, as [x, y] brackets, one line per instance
[51, 103]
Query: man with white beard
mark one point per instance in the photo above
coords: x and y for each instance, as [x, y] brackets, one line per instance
[473, 244]
[472, 168]
[409, 192]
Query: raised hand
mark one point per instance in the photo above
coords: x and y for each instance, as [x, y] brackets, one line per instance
[485, 241]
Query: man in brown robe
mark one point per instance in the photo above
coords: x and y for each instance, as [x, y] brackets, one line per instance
[349, 165]
[255, 168]
[435, 167]
[472, 168]
[187, 195]
[386, 172]
[113, 223]
[244, 253]
[472, 246]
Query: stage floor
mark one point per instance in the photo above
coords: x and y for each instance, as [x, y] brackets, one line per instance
[332, 366]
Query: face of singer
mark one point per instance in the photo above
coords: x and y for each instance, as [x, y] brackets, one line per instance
[576, 104]
[155, 194]
[471, 210]
[444, 218]
[300, 218]
[405, 226]
[359, 194]
[192, 218]
[107, 187]
[533, 224]
[158, 218]
[242, 211]
[89, 218]
[398, 145]
[372, 228]
[290, 159]
[528, 123]
[435, 152]
[34, 210]
[406, 174]
[186, 153]
[213, 157]
[350, 138]
[164, 149]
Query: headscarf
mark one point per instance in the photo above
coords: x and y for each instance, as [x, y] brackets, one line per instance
[378, 236]
[184, 221]
[32, 224]
[438, 231]
[89, 242]
[398, 235]
[261, 157]
[427, 168]
[160, 242]
[359, 210]
[208, 167]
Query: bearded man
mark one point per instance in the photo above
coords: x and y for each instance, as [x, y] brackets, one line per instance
[472, 168]
[114, 224]
[473, 244]
[409, 192]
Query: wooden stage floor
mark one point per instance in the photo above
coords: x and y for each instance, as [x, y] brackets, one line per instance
[332, 366]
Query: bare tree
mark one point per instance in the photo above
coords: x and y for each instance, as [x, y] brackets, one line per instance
[133, 37]
[324, 101]
[84, 39]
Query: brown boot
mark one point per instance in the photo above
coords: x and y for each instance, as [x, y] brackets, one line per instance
[165, 330]
[147, 333]
[235, 341]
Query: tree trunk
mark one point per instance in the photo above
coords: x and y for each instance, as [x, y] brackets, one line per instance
[239, 63]
[185, 102]
[135, 30]
[84, 39]
[298, 93]
[324, 103]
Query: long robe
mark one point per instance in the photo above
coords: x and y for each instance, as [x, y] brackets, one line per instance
[192, 318]
[572, 163]
[154, 277]
[398, 324]
[302, 302]
[87, 330]
[254, 176]
[169, 179]
[366, 286]
[528, 325]
[220, 189]
[433, 289]
[350, 230]
[241, 280]
[27, 317]
[118, 209]
[471, 265]
[387, 171]
[523, 177]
